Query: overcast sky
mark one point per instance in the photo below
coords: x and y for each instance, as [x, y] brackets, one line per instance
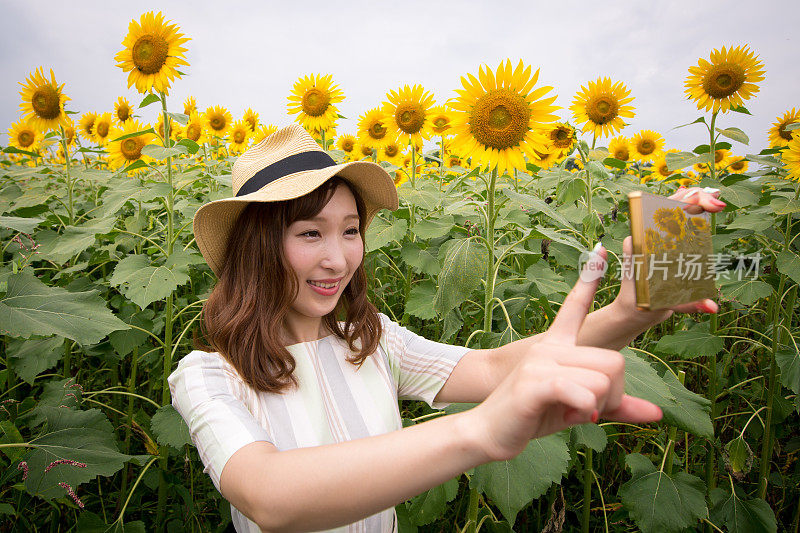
[249, 53]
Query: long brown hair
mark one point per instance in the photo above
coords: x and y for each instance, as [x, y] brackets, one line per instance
[243, 318]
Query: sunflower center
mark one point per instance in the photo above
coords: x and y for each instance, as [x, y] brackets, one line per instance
[718, 156]
[622, 153]
[238, 136]
[391, 150]
[440, 122]
[150, 53]
[315, 102]
[738, 165]
[499, 119]
[646, 147]
[25, 138]
[251, 121]
[784, 133]
[45, 102]
[602, 109]
[561, 137]
[123, 113]
[217, 122]
[131, 149]
[193, 132]
[102, 129]
[663, 170]
[410, 117]
[723, 80]
[376, 131]
[366, 150]
[347, 145]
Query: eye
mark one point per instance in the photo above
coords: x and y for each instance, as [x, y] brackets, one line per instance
[352, 231]
[309, 233]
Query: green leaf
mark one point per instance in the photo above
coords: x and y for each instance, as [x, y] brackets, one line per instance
[432, 504]
[563, 238]
[82, 436]
[9, 434]
[24, 225]
[124, 341]
[789, 362]
[589, 435]
[740, 109]
[143, 283]
[421, 260]
[160, 153]
[169, 428]
[32, 308]
[433, 228]
[462, 270]
[792, 126]
[659, 502]
[679, 160]
[689, 411]
[740, 456]
[696, 342]
[180, 118]
[149, 99]
[88, 522]
[381, 232]
[420, 300]
[741, 516]
[133, 166]
[547, 281]
[788, 263]
[537, 205]
[29, 358]
[734, 134]
[642, 381]
[785, 206]
[753, 221]
[62, 247]
[696, 121]
[746, 291]
[134, 134]
[190, 145]
[15, 150]
[614, 162]
[515, 483]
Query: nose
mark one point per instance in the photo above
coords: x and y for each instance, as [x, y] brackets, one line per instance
[334, 256]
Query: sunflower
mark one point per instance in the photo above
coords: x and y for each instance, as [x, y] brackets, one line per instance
[346, 143]
[408, 114]
[656, 243]
[124, 152]
[238, 137]
[372, 130]
[159, 127]
[152, 53]
[601, 106]
[620, 148]
[263, 132]
[498, 116]
[24, 136]
[362, 151]
[195, 128]
[660, 168]
[700, 168]
[218, 120]
[727, 80]
[791, 158]
[561, 138]
[697, 225]
[441, 120]
[251, 117]
[400, 177]
[189, 105]
[86, 124]
[543, 159]
[673, 221]
[778, 134]
[69, 131]
[721, 158]
[101, 129]
[312, 100]
[122, 110]
[393, 153]
[646, 144]
[43, 101]
[737, 165]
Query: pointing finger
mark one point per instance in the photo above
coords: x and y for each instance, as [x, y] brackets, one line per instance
[576, 305]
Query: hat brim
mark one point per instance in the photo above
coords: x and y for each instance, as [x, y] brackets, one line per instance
[213, 222]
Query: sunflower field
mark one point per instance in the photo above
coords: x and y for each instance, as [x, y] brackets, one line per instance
[102, 285]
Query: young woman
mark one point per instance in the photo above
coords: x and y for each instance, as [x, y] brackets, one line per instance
[295, 415]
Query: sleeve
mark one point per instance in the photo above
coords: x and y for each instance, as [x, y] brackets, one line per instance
[419, 366]
[207, 394]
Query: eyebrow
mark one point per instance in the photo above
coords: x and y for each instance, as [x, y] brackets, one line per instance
[320, 218]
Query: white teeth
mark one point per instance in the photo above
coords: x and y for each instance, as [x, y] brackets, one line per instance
[324, 285]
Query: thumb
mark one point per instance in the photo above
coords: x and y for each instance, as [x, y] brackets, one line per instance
[576, 305]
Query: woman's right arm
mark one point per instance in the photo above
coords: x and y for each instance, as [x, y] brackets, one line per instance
[322, 487]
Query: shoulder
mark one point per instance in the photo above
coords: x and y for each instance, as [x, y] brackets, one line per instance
[203, 368]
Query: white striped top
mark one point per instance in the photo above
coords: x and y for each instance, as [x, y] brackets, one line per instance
[334, 402]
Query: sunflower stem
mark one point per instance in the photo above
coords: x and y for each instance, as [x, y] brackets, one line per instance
[69, 176]
[413, 164]
[712, 359]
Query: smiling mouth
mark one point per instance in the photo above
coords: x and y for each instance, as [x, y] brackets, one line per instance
[324, 285]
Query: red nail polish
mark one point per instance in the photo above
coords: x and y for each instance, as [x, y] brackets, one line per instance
[595, 416]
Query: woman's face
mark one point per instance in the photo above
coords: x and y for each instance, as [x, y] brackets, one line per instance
[325, 250]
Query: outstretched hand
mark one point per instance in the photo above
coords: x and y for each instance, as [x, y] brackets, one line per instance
[699, 200]
[559, 383]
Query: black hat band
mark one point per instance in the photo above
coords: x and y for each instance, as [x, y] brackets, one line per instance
[313, 160]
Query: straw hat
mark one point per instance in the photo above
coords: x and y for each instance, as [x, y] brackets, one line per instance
[286, 165]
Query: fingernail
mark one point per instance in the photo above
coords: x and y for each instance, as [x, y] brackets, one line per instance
[710, 190]
[597, 247]
[681, 187]
[718, 202]
[691, 193]
[595, 416]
